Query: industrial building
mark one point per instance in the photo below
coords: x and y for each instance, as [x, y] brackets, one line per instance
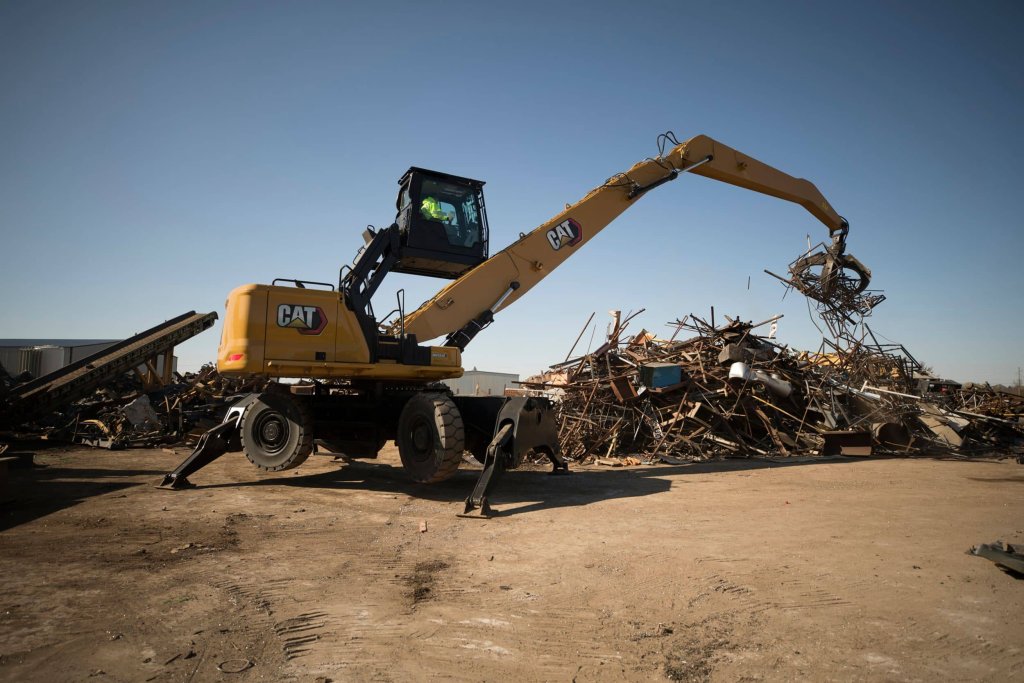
[43, 356]
[482, 383]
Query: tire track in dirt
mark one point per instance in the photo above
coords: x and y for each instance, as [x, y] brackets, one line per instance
[808, 589]
[970, 655]
[975, 655]
[384, 592]
[345, 615]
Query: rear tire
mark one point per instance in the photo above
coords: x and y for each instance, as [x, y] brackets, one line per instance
[277, 432]
[431, 437]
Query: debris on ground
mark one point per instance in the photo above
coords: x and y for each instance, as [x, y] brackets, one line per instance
[125, 413]
[729, 390]
[126, 394]
[149, 355]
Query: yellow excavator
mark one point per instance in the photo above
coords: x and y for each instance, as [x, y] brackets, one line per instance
[374, 381]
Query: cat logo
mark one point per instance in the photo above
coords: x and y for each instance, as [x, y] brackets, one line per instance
[305, 319]
[568, 232]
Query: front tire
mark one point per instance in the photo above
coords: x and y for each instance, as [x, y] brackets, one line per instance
[431, 437]
[277, 432]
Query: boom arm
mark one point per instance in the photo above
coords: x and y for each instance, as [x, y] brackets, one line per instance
[468, 303]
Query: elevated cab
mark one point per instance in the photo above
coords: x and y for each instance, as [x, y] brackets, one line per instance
[442, 224]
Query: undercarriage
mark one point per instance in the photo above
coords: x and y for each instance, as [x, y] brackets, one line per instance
[276, 430]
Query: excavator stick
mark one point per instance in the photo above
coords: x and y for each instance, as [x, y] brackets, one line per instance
[520, 425]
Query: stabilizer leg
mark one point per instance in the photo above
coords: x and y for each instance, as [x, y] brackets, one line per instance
[213, 444]
[558, 463]
[477, 505]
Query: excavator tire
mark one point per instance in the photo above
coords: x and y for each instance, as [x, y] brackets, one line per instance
[277, 432]
[431, 437]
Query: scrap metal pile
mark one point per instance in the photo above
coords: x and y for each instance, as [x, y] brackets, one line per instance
[124, 413]
[728, 391]
[996, 416]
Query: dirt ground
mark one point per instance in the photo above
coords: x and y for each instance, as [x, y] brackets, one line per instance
[842, 569]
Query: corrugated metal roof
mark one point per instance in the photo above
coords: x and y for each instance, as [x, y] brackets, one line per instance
[21, 343]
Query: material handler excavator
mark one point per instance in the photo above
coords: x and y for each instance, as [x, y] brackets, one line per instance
[374, 380]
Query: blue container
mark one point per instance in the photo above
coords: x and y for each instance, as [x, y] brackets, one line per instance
[657, 375]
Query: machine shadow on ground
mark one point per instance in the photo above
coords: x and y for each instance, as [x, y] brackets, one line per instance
[525, 490]
[39, 491]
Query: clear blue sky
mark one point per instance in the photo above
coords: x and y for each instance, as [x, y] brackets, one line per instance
[155, 155]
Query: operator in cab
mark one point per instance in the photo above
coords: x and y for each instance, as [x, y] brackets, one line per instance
[431, 209]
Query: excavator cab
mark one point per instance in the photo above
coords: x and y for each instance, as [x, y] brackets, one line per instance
[442, 224]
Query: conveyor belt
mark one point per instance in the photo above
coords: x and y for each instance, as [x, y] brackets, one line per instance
[79, 378]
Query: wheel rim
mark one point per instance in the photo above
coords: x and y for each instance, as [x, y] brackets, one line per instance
[421, 438]
[271, 431]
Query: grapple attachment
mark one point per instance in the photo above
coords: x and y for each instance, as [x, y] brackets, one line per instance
[835, 279]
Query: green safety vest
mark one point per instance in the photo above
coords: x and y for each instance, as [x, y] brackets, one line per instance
[431, 208]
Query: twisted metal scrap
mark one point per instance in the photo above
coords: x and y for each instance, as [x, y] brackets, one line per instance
[837, 284]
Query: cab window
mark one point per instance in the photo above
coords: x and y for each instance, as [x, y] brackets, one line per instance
[455, 207]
